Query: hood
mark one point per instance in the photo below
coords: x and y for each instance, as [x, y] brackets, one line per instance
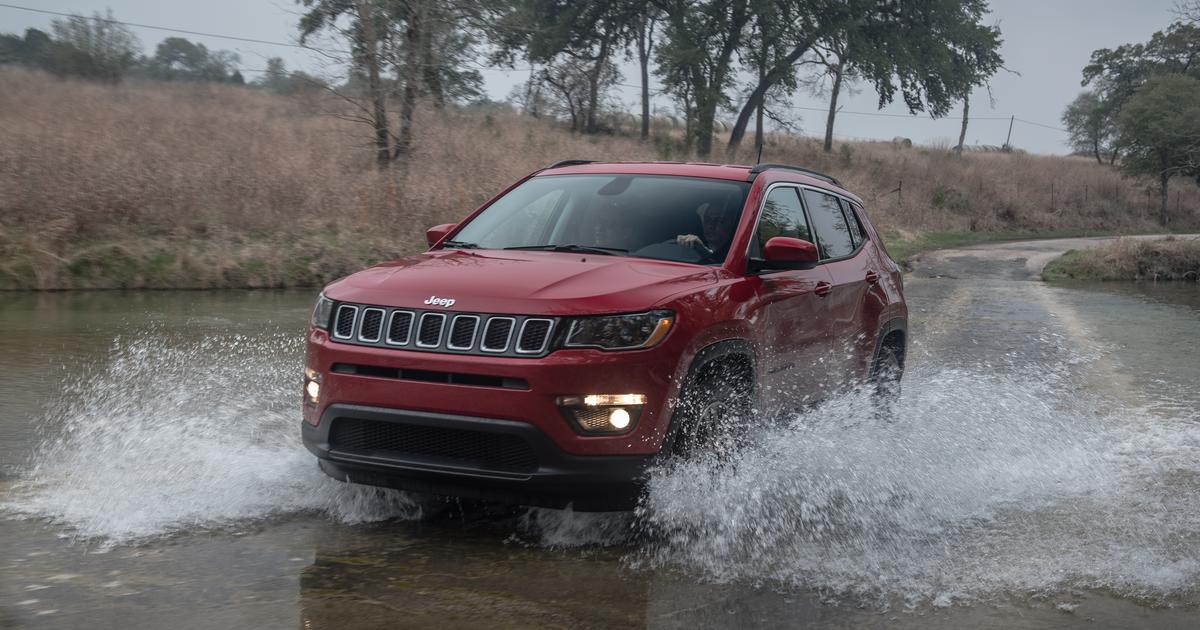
[521, 282]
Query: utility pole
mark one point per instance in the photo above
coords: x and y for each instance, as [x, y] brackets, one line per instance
[1008, 139]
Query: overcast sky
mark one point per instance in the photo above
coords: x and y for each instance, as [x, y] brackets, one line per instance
[1047, 42]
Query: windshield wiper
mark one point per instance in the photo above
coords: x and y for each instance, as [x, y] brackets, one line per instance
[460, 245]
[584, 249]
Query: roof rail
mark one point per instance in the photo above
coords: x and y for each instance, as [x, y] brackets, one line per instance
[758, 168]
[568, 163]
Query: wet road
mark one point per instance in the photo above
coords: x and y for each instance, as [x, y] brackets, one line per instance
[1042, 471]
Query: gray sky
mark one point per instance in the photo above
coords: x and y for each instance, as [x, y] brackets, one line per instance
[1047, 42]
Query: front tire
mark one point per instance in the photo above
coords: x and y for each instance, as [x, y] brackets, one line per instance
[885, 380]
[713, 415]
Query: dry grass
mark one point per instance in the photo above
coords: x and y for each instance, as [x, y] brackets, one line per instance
[179, 185]
[1130, 259]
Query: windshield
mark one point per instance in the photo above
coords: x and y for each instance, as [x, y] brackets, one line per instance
[685, 219]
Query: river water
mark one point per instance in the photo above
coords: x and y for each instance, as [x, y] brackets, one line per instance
[1042, 469]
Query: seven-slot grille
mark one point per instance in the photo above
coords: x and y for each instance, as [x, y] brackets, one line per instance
[439, 331]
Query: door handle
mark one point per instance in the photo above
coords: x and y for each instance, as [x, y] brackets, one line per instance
[872, 277]
[823, 289]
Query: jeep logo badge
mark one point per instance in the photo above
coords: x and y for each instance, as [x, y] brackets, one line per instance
[437, 301]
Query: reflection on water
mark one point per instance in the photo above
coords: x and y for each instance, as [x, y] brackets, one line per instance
[173, 462]
[1179, 293]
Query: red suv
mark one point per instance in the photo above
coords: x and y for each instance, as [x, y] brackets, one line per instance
[594, 319]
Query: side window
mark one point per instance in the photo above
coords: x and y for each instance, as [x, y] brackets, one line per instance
[833, 233]
[782, 215]
[856, 231]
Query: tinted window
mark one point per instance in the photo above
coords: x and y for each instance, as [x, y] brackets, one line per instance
[634, 215]
[833, 234]
[782, 215]
[856, 231]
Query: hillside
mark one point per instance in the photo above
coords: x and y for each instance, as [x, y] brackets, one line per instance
[169, 185]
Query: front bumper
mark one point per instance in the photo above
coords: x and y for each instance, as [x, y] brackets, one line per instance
[651, 372]
[446, 459]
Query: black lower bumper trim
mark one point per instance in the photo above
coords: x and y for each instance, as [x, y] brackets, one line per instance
[586, 483]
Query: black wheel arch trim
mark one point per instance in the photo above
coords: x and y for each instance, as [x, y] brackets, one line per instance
[741, 348]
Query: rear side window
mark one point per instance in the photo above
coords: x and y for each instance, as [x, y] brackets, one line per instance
[856, 231]
[833, 232]
[782, 215]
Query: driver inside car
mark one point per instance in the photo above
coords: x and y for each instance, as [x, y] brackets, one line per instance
[718, 222]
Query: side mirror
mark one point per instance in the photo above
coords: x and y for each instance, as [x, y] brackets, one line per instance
[783, 252]
[438, 232]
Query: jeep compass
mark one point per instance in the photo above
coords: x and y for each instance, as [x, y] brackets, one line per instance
[593, 320]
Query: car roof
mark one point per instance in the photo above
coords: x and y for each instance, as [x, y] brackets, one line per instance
[732, 172]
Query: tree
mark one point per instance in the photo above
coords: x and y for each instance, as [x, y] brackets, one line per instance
[278, 79]
[646, 21]
[785, 30]
[758, 54]
[446, 52]
[696, 59]
[591, 34]
[94, 47]
[839, 64]
[1089, 121]
[407, 46]
[1188, 11]
[368, 28]
[35, 49]
[178, 55]
[275, 78]
[562, 89]
[1160, 130]
[929, 52]
[1118, 73]
[177, 58]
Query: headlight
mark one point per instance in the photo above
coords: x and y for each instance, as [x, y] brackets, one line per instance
[620, 332]
[322, 312]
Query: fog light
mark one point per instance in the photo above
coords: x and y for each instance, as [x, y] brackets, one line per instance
[602, 413]
[312, 386]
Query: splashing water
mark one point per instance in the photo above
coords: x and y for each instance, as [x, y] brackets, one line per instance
[978, 483]
[168, 438]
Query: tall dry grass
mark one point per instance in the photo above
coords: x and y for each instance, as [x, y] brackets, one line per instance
[198, 185]
[1130, 259]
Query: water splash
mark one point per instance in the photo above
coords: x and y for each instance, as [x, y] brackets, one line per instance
[980, 483]
[977, 485]
[169, 438]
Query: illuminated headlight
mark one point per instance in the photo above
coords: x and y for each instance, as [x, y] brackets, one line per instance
[602, 413]
[312, 386]
[620, 332]
[322, 312]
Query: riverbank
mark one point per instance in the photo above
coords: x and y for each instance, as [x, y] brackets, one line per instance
[1130, 259]
[178, 185]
